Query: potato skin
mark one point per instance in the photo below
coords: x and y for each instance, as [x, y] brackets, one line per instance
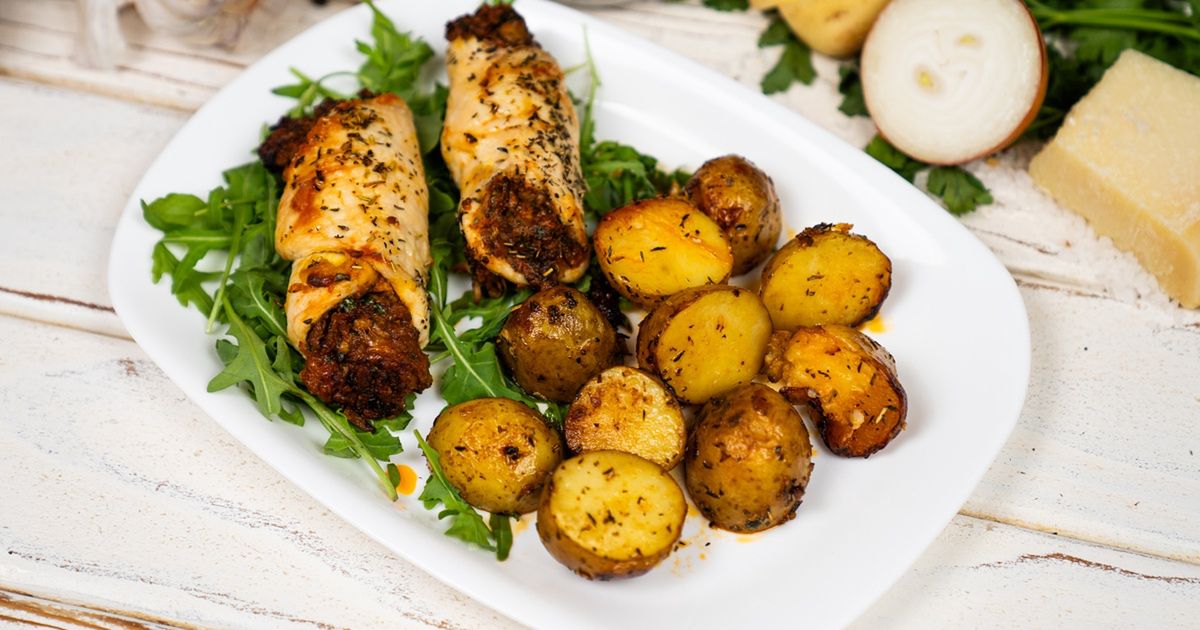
[825, 275]
[741, 199]
[836, 28]
[655, 248]
[609, 514]
[847, 380]
[555, 341]
[498, 453]
[705, 341]
[748, 460]
[626, 409]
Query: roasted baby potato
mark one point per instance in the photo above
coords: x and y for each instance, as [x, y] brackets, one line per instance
[651, 249]
[608, 514]
[498, 453]
[626, 409]
[748, 460]
[705, 341]
[825, 275]
[847, 380]
[555, 341]
[741, 198]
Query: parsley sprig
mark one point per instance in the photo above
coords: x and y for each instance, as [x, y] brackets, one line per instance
[959, 190]
[795, 63]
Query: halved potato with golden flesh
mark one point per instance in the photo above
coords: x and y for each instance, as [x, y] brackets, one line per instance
[748, 460]
[825, 275]
[651, 249]
[848, 381]
[498, 453]
[626, 409]
[555, 341]
[741, 199]
[608, 514]
[705, 341]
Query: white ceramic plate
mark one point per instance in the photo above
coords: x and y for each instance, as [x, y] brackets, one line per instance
[954, 321]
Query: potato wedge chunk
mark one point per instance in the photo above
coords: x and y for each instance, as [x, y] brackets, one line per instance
[651, 249]
[626, 409]
[498, 453]
[608, 514]
[825, 275]
[705, 341]
[748, 460]
[847, 380]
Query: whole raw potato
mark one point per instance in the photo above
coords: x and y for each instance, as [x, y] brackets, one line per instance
[834, 27]
[498, 453]
[748, 460]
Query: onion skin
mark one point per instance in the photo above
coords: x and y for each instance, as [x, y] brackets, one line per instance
[1017, 130]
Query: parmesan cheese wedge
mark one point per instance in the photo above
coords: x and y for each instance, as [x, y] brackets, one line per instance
[1127, 159]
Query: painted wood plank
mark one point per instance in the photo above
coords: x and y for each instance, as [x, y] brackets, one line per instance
[68, 287]
[66, 183]
[1097, 472]
[135, 503]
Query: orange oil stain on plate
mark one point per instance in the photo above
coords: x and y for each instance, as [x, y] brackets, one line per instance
[408, 480]
[520, 524]
[876, 325]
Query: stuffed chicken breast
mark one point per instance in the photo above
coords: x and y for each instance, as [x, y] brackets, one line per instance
[511, 141]
[354, 219]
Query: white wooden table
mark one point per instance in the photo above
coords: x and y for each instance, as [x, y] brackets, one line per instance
[123, 504]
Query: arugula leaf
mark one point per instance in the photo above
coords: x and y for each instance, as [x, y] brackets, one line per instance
[381, 444]
[476, 371]
[850, 85]
[794, 65]
[961, 191]
[394, 62]
[501, 525]
[175, 210]
[251, 365]
[893, 158]
[307, 90]
[492, 313]
[727, 5]
[465, 523]
[615, 174]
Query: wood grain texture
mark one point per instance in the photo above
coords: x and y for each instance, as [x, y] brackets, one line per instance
[38, 38]
[1104, 451]
[97, 448]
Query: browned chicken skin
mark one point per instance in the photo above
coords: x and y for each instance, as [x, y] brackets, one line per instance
[354, 218]
[511, 142]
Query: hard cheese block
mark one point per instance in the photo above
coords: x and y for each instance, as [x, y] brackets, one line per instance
[1127, 158]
